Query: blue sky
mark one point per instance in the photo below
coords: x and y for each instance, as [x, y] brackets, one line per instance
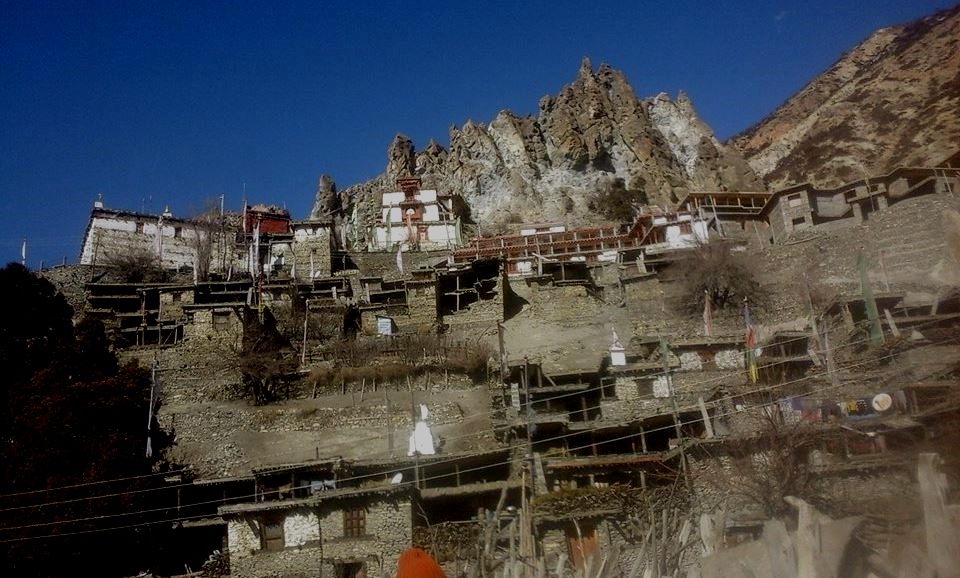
[173, 103]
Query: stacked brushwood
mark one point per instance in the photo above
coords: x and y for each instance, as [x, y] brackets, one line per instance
[620, 498]
[216, 566]
[448, 541]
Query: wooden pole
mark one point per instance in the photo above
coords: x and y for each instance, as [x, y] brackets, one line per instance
[706, 417]
[665, 356]
[386, 400]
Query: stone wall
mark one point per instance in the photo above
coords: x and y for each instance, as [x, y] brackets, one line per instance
[311, 242]
[568, 304]
[219, 324]
[903, 245]
[112, 235]
[71, 280]
[480, 317]
[172, 301]
[868, 491]
[790, 213]
[314, 541]
[220, 439]
[553, 542]
[384, 263]
[646, 301]
[243, 538]
[422, 305]
[714, 479]
[388, 533]
[609, 535]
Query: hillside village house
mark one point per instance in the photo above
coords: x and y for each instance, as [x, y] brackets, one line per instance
[263, 239]
[321, 530]
[804, 206]
[112, 233]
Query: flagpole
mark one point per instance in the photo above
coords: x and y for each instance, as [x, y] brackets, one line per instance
[750, 343]
[707, 314]
[153, 385]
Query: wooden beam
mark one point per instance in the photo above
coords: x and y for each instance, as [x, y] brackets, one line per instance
[942, 534]
[706, 417]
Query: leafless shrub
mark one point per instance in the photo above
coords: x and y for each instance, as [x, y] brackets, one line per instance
[138, 265]
[470, 360]
[203, 253]
[324, 375]
[394, 371]
[265, 376]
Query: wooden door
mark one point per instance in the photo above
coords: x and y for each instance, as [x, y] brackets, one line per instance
[583, 545]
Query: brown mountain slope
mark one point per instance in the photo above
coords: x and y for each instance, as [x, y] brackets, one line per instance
[893, 100]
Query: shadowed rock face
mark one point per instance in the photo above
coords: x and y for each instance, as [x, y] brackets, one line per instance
[326, 201]
[891, 101]
[592, 135]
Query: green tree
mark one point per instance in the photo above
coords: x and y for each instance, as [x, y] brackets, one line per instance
[619, 203]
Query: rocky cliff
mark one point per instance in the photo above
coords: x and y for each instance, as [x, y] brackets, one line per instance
[594, 139]
[893, 100]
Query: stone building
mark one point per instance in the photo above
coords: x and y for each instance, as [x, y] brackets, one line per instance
[772, 217]
[264, 239]
[348, 532]
[805, 206]
[310, 250]
[302, 491]
[418, 218]
[112, 234]
[550, 246]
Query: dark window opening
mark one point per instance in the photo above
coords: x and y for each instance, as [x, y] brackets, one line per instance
[352, 323]
[350, 570]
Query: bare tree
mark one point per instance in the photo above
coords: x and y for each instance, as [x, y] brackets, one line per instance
[714, 271]
[760, 469]
[267, 360]
[208, 225]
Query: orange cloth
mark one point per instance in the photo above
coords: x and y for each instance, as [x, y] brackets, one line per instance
[415, 563]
